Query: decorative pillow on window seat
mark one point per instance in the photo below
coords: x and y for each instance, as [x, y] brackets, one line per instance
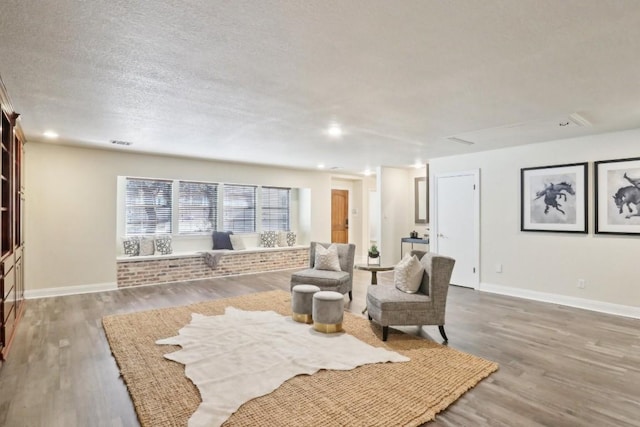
[282, 238]
[407, 275]
[269, 239]
[163, 245]
[327, 258]
[237, 242]
[222, 240]
[131, 246]
[146, 246]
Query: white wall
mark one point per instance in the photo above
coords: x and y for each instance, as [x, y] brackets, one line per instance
[550, 263]
[396, 207]
[70, 217]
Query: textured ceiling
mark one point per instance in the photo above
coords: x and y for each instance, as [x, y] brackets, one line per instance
[260, 81]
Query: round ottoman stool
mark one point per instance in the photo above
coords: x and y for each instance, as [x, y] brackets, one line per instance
[328, 310]
[302, 302]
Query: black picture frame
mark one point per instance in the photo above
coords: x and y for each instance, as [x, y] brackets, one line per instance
[617, 196]
[554, 198]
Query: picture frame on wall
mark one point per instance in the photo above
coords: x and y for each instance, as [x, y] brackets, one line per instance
[554, 198]
[617, 196]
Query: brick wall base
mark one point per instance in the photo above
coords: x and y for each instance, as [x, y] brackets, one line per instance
[165, 269]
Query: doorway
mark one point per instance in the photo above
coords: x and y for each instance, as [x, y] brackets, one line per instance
[456, 224]
[339, 216]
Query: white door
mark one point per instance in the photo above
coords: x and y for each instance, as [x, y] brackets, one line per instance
[456, 225]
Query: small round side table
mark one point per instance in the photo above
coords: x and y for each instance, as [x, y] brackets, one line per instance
[373, 268]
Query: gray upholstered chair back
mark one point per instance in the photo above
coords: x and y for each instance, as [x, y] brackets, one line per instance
[436, 279]
[346, 254]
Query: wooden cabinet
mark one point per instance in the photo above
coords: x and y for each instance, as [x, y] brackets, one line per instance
[11, 223]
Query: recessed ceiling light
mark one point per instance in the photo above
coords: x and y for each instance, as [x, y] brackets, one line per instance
[367, 172]
[334, 131]
[417, 164]
[50, 134]
[321, 166]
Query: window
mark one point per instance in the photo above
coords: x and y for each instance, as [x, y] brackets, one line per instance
[239, 208]
[148, 206]
[198, 207]
[275, 209]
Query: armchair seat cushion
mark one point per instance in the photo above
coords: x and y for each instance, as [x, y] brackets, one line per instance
[389, 298]
[322, 278]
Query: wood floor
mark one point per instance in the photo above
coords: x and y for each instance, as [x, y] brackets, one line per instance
[559, 366]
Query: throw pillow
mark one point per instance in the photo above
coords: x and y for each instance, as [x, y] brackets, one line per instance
[407, 275]
[237, 242]
[268, 239]
[163, 245]
[291, 238]
[282, 238]
[146, 246]
[327, 258]
[131, 246]
[222, 240]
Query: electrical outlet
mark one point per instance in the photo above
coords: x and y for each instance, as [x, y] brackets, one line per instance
[498, 268]
[581, 284]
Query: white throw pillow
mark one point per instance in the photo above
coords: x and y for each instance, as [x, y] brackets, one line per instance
[146, 245]
[282, 238]
[327, 258]
[407, 274]
[237, 242]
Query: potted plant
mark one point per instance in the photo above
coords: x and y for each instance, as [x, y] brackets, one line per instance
[373, 252]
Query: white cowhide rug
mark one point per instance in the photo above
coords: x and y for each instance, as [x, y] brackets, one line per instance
[240, 355]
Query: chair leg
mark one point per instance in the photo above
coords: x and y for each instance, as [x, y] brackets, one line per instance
[350, 296]
[385, 333]
[441, 327]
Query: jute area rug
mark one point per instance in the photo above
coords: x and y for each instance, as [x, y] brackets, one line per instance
[389, 394]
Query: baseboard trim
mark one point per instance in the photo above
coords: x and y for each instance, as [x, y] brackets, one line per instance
[587, 304]
[69, 290]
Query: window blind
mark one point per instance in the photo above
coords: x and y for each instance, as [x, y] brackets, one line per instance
[198, 207]
[239, 213]
[148, 206]
[275, 208]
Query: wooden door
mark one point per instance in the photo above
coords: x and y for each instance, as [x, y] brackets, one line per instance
[339, 216]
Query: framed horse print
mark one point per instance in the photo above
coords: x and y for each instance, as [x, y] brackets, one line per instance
[554, 198]
[617, 196]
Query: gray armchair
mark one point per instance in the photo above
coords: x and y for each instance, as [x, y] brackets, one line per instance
[389, 306]
[339, 281]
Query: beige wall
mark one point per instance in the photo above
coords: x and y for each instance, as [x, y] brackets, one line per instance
[70, 218]
[550, 263]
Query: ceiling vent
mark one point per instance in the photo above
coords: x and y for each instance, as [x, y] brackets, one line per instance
[118, 142]
[460, 140]
[579, 120]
